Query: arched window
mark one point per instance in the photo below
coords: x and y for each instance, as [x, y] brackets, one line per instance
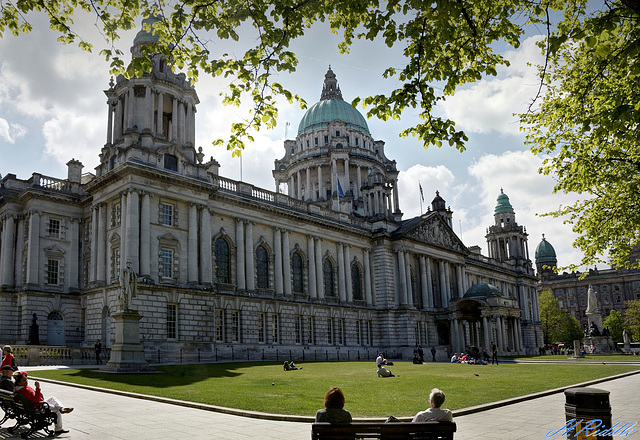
[356, 283]
[298, 273]
[262, 267]
[223, 268]
[328, 276]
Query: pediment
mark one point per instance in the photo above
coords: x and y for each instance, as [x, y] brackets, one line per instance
[434, 230]
[169, 239]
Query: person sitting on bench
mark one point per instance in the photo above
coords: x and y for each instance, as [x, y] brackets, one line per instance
[35, 396]
[334, 411]
[435, 413]
[6, 383]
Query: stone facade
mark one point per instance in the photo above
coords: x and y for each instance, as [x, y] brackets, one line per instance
[224, 264]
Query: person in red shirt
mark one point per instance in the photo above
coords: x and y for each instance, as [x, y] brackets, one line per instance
[35, 396]
[7, 356]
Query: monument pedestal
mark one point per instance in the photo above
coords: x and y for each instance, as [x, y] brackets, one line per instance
[602, 344]
[127, 354]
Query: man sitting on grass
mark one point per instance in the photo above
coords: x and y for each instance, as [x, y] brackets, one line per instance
[435, 413]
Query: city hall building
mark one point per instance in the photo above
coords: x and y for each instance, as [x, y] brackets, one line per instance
[327, 265]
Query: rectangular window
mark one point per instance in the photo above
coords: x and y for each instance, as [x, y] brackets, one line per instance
[166, 264]
[172, 321]
[235, 326]
[116, 214]
[166, 214]
[115, 262]
[358, 332]
[571, 303]
[356, 142]
[261, 328]
[369, 334]
[326, 139]
[54, 228]
[330, 331]
[570, 292]
[365, 333]
[298, 330]
[275, 330]
[340, 332]
[220, 325]
[53, 271]
[315, 141]
[310, 334]
[604, 289]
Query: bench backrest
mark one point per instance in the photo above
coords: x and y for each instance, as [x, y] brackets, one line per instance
[384, 431]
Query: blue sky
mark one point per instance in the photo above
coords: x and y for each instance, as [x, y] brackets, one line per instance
[52, 109]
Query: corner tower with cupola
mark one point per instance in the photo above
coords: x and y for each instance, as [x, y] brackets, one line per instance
[335, 163]
[506, 240]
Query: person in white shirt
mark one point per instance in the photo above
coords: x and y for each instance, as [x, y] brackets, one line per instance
[380, 361]
[435, 413]
[454, 358]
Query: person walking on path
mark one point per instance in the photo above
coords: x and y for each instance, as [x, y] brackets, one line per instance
[494, 353]
[433, 354]
[98, 348]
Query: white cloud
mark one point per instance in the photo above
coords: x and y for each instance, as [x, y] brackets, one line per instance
[71, 134]
[489, 104]
[10, 132]
[432, 179]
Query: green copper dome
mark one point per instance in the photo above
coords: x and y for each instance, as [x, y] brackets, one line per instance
[145, 37]
[482, 290]
[545, 253]
[503, 204]
[331, 107]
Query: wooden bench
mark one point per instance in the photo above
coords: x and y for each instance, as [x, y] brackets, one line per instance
[384, 431]
[37, 415]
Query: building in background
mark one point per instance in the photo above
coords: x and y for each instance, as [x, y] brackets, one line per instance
[226, 266]
[613, 287]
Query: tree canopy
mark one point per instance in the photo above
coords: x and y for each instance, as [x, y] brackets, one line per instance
[557, 324]
[615, 323]
[632, 318]
[586, 120]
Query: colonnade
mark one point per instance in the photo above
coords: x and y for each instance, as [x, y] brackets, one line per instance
[511, 245]
[428, 266]
[508, 333]
[123, 114]
[301, 185]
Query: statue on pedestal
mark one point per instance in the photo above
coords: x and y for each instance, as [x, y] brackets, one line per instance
[592, 301]
[128, 287]
[34, 333]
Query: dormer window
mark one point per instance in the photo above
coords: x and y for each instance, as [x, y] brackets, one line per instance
[170, 162]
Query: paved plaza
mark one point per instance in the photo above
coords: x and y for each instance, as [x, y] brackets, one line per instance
[102, 415]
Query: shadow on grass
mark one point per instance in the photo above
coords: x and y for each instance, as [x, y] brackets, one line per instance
[166, 376]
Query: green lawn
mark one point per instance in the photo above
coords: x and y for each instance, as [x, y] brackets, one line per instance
[266, 387]
[590, 358]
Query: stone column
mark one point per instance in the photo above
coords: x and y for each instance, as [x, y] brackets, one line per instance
[519, 330]
[290, 187]
[443, 284]
[101, 252]
[109, 122]
[145, 234]
[148, 102]
[174, 119]
[321, 191]
[500, 327]
[334, 176]
[309, 196]
[423, 282]
[299, 187]
[190, 137]
[358, 193]
[459, 270]
[118, 122]
[123, 233]
[455, 335]
[312, 266]
[447, 274]
[367, 278]
[396, 201]
[72, 280]
[347, 272]
[409, 291]
[251, 279]
[347, 177]
[277, 248]
[286, 262]
[486, 330]
[33, 250]
[429, 283]
[7, 256]
[133, 231]
[342, 290]
[240, 274]
[319, 279]
[206, 250]
[94, 244]
[192, 245]
[160, 115]
[125, 111]
[402, 274]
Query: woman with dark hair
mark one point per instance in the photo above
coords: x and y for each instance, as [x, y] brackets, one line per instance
[334, 411]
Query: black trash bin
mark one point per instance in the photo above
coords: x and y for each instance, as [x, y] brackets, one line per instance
[588, 413]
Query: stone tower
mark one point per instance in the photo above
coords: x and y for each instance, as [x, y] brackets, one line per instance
[506, 240]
